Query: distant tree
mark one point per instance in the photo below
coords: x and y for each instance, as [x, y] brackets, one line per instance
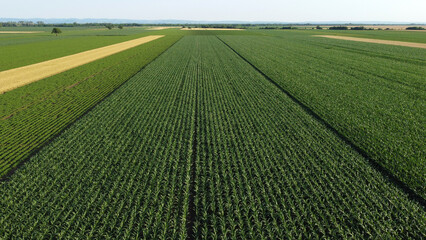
[120, 26]
[109, 26]
[338, 28]
[414, 28]
[318, 27]
[361, 28]
[56, 31]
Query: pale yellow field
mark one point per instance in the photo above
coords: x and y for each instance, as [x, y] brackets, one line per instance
[15, 32]
[217, 29]
[160, 28]
[369, 40]
[18, 77]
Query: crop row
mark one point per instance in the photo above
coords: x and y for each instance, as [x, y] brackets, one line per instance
[200, 145]
[120, 172]
[32, 114]
[267, 170]
[373, 95]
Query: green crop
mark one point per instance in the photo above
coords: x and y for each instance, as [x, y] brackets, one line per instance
[122, 171]
[372, 94]
[31, 115]
[19, 50]
[200, 145]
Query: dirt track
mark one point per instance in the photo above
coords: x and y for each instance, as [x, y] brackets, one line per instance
[18, 77]
[369, 40]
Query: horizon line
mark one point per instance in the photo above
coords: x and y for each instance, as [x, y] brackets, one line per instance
[186, 21]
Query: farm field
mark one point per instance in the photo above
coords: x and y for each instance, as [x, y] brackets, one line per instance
[374, 97]
[24, 49]
[403, 36]
[31, 115]
[378, 41]
[253, 134]
[149, 163]
[17, 77]
[16, 32]
[212, 29]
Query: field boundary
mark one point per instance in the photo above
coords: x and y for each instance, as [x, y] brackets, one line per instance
[6, 177]
[379, 41]
[18, 77]
[385, 172]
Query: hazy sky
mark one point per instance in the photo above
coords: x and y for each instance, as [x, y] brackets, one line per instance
[212, 10]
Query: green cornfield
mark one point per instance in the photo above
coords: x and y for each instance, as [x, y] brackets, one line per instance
[214, 135]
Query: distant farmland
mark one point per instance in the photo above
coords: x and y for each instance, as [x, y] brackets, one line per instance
[19, 77]
[251, 134]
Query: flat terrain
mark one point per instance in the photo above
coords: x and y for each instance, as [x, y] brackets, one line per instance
[256, 134]
[18, 50]
[371, 94]
[160, 28]
[200, 143]
[18, 32]
[403, 36]
[217, 29]
[392, 27]
[32, 114]
[14, 78]
[396, 43]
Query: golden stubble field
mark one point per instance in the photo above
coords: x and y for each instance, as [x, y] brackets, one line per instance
[369, 40]
[18, 77]
[216, 29]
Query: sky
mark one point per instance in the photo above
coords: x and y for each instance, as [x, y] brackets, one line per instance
[221, 10]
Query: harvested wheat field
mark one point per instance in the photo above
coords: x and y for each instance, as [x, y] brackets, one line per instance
[369, 40]
[18, 77]
[221, 29]
[160, 28]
